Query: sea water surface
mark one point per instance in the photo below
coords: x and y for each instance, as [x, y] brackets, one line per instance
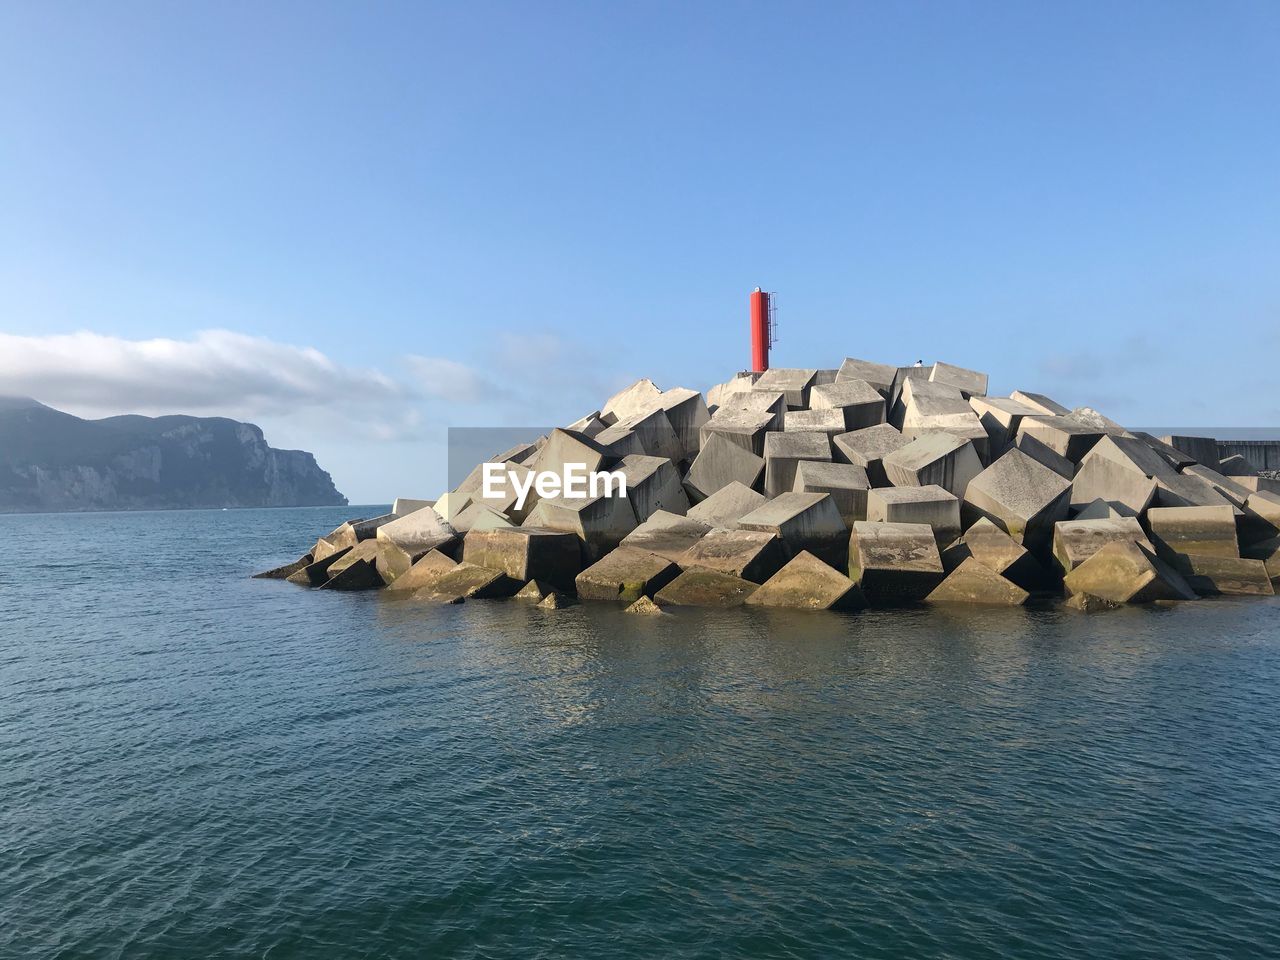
[197, 764]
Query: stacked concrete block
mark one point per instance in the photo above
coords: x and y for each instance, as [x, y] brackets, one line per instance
[1000, 418]
[687, 411]
[1075, 541]
[525, 554]
[1196, 531]
[746, 428]
[808, 583]
[860, 404]
[879, 375]
[727, 506]
[828, 421]
[931, 505]
[652, 484]
[973, 582]
[1022, 497]
[867, 448]
[1038, 401]
[599, 522]
[625, 575]
[656, 435]
[1199, 449]
[637, 398]
[705, 588]
[1064, 436]
[988, 544]
[795, 384]
[935, 458]
[753, 555]
[719, 463]
[846, 484]
[772, 402]
[970, 382]
[1127, 572]
[804, 522]
[667, 535]
[782, 451]
[894, 563]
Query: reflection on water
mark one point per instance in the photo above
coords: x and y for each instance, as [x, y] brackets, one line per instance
[197, 764]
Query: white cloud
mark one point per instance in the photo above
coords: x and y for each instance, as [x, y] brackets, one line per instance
[215, 372]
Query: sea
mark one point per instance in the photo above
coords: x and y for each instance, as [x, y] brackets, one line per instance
[196, 764]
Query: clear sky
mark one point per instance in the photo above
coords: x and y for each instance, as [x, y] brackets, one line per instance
[356, 223]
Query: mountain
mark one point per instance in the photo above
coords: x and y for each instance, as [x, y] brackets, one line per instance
[50, 460]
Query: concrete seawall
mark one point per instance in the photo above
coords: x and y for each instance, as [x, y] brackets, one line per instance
[1260, 454]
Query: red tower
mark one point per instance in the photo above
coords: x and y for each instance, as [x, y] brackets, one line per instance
[761, 330]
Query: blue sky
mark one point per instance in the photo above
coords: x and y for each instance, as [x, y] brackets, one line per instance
[355, 224]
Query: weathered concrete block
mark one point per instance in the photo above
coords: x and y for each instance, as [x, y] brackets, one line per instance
[745, 428]
[1088, 603]
[894, 563]
[426, 571]
[656, 435]
[417, 532]
[919, 399]
[1022, 497]
[449, 505]
[666, 535]
[626, 574]
[534, 592]
[772, 402]
[1038, 452]
[846, 483]
[646, 608]
[794, 383]
[1202, 531]
[1186, 490]
[804, 522]
[782, 451]
[964, 425]
[1175, 457]
[1260, 519]
[391, 561]
[403, 506]
[719, 463]
[1200, 449]
[1062, 435]
[830, 422]
[653, 484]
[879, 375]
[740, 384]
[500, 496]
[637, 398]
[705, 588]
[562, 449]
[588, 426]
[1075, 541]
[1259, 484]
[935, 458]
[1047, 407]
[1268, 551]
[316, 573]
[868, 447]
[807, 583]
[1000, 417]
[617, 441]
[358, 575]
[988, 544]
[930, 505]
[286, 571]
[687, 411]
[478, 516]
[1111, 480]
[1231, 491]
[860, 403]
[1103, 510]
[971, 382]
[557, 601]
[467, 581]
[974, 582]
[727, 506]
[599, 522]
[1125, 572]
[526, 553]
[750, 554]
[1225, 576]
[1236, 466]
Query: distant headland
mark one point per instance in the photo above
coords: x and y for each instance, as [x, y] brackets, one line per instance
[53, 461]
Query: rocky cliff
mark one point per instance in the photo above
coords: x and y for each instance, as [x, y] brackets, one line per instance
[50, 460]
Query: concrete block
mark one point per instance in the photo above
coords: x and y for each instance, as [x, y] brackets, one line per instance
[719, 463]
[1185, 490]
[989, 545]
[1022, 497]
[971, 382]
[1175, 457]
[626, 574]
[425, 571]
[805, 522]
[1268, 551]
[1261, 517]
[478, 513]
[830, 422]
[599, 522]
[1205, 531]
[653, 484]
[534, 592]
[359, 575]
[894, 563]
[705, 588]
[879, 375]
[931, 505]
[1225, 576]
[1089, 417]
[563, 447]
[794, 383]
[1063, 436]
[750, 554]
[722, 392]
[667, 535]
[526, 553]
[286, 571]
[637, 398]
[467, 581]
[1103, 510]
[860, 404]
[687, 411]
[1000, 417]
[1075, 541]
[1038, 452]
[656, 435]
[1200, 449]
[807, 583]
[745, 428]
[317, 572]
[1236, 466]
[846, 483]
[727, 506]
[1231, 491]
[964, 425]
[617, 441]
[782, 451]
[403, 506]
[417, 532]
[867, 448]
[1259, 484]
[391, 562]
[557, 601]
[646, 608]
[1108, 480]
[935, 458]
[772, 402]
[1047, 407]
[588, 426]
[974, 582]
[1126, 572]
